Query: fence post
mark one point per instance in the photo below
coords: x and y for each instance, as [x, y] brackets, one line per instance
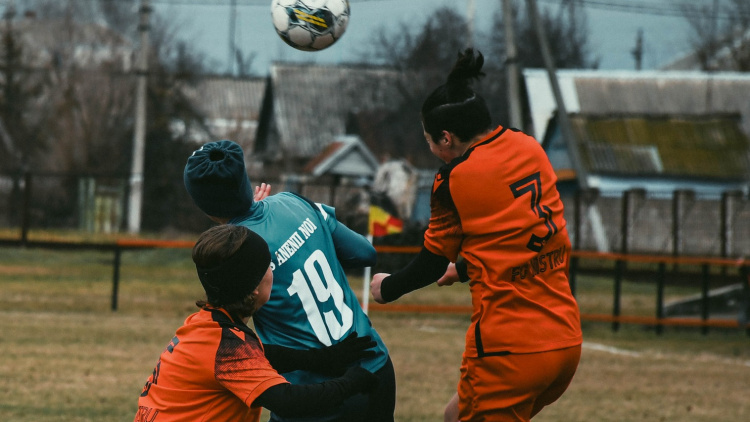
[619, 268]
[679, 197]
[726, 210]
[625, 222]
[744, 317]
[660, 296]
[116, 277]
[704, 298]
[26, 216]
[625, 226]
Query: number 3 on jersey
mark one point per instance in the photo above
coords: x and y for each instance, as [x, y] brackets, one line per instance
[533, 186]
[325, 324]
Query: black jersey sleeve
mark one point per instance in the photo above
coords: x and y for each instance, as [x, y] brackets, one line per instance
[425, 269]
[332, 360]
[462, 269]
[290, 400]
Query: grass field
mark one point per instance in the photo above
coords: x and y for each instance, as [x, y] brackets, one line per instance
[67, 357]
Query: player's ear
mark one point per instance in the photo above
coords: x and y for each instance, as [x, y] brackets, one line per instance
[448, 138]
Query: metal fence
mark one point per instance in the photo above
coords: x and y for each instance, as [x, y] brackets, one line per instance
[631, 229]
[635, 222]
[95, 203]
[683, 225]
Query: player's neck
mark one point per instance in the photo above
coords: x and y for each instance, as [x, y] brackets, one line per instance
[475, 140]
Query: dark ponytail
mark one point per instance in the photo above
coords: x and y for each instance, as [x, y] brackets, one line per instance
[467, 68]
[455, 106]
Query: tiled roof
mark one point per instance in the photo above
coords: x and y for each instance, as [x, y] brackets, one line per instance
[311, 103]
[648, 124]
[227, 98]
[597, 92]
[230, 106]
[346, 156]
[711, 147]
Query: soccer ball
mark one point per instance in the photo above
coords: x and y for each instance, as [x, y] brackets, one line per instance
[310, 25]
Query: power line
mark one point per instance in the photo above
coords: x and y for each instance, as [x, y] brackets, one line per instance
[675, 8]
[646, 8]
[258, 3]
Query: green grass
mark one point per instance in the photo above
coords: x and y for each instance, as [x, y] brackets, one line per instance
[67, 356]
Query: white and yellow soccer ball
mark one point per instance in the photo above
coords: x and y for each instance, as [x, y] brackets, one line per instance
[310, 25]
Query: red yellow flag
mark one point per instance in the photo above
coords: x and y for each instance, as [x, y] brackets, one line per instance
[383, 223]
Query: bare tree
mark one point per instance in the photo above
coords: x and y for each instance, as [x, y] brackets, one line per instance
[426, 54]
[20, 130]
[721, 34]
[77, 115]
[567, 34]
[81, 105]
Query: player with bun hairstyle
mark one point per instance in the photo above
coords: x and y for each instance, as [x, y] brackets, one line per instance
[214, 368]
[497, 222]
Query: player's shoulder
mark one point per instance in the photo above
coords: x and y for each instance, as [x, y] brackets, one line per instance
[326, 211]
[290, 198]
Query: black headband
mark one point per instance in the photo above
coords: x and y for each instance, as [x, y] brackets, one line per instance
[237, 277]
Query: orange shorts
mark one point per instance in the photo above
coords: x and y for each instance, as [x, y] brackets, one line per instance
[514, 387]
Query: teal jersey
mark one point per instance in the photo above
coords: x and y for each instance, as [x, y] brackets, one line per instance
[311, 303]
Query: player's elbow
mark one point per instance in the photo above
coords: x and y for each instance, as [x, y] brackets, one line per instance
[370, 257]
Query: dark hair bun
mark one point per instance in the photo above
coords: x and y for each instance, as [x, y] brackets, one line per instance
[468, 66]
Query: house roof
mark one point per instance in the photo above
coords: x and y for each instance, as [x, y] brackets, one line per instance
[311, 103]
[230, 106]
[346, 156]
[220, 97]
[707, 147]
[596, 92]
[683, 125]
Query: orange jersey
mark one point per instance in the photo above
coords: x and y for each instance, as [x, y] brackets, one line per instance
[498, 207]
[213, 369]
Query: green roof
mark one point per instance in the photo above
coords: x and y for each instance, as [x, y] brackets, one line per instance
[711, 146]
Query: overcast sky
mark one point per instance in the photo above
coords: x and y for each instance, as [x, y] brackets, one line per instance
[612, 30]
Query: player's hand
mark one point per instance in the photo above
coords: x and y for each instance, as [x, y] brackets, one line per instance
[450, 276]
[352, 349]
[335, 360]
[377, 281]
[262, 192]
[360, 380]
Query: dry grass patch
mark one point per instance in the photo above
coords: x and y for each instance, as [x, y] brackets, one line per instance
[67, 357]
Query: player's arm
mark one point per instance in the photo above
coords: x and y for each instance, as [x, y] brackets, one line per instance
[333, 360]
[425, 269]
[352, 249]
[289, 400]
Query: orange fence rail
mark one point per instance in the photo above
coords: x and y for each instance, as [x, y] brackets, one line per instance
[619, 260]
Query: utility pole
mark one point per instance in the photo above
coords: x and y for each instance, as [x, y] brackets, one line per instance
[566, 128]
[470, 19]
[232, 37]
[139, 134]
[511, 66]
[637, 51]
